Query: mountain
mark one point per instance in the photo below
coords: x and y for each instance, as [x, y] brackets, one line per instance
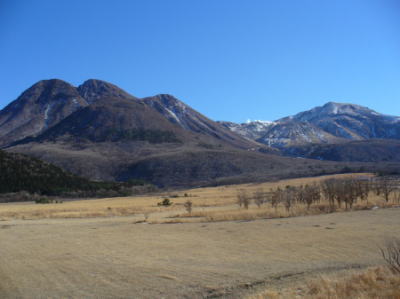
[332, 123]
[351, 121]
[372, 150]
[101, 132]
[38, 108]
[116, 136]
[188, 119]
[49, 102]
[251, 130]
[92, 90]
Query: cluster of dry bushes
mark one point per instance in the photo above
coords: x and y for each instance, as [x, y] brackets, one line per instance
[326, 196]
[335, 192]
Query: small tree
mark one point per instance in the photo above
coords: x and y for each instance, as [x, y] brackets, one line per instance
[288, 196]
[166, 202]
[188, 206]
[246, 202]
[386, 187]
[276, 198]
[330, 191]
[259, 197]
[243, 199]
[312, 193]
[397, 195]
[391, 254]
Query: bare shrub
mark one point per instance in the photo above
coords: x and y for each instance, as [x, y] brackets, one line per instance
[391, 254]
[243, 199]
[311, 194]
[329, 189]
[259, 197]
[276, 198]
[397, 196]
[385, 186]
[188, 206]
[288, 197]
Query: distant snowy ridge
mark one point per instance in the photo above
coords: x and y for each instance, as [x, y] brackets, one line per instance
[331, 123]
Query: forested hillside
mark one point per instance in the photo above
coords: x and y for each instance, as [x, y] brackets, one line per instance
[22, 173]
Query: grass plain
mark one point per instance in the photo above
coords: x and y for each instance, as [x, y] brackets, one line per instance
[209, 204]
[82, 249]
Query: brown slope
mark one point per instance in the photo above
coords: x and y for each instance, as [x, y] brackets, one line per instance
[38, 108]
[100, 140]
[189, 119]
[372, 150]
[94, 89]
[118, 137]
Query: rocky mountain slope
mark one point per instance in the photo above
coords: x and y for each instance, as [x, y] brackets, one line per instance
[101, 132]
[372, 150]
[115, 136]
[351, 121]
[332, 123]
[38, 108]
[49, 102]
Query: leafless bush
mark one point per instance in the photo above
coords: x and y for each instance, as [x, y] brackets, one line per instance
[397, 196]
[288, 197]
[259, 197]
[362, 189]
[329, 189]
[276, 198]
[243, 199]
[347, 191]
[188, 206]
[312, 193]
[391, 254]
[385, 186]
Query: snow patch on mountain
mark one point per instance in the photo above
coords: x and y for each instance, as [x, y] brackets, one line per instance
[174, 116]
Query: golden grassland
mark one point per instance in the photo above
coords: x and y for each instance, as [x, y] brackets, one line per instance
[117, 257]
[209, 204]
[374, 282]
[121, 247]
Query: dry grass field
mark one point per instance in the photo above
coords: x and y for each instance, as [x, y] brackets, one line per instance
[124, 248]
[374, 282]
[209, 204]
[116, 257]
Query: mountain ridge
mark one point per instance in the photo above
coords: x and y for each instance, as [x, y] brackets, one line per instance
[112, 131]
[331, 123]
[99, 131]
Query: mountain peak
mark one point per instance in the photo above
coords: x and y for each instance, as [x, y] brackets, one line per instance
[94, 89]
[48, 82]
[170, 101]
[38, 108]
[334, 109]
[49, 87]
[45, 92]
[343, 108]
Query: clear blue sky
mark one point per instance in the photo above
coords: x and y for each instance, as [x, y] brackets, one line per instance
[231, 60]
